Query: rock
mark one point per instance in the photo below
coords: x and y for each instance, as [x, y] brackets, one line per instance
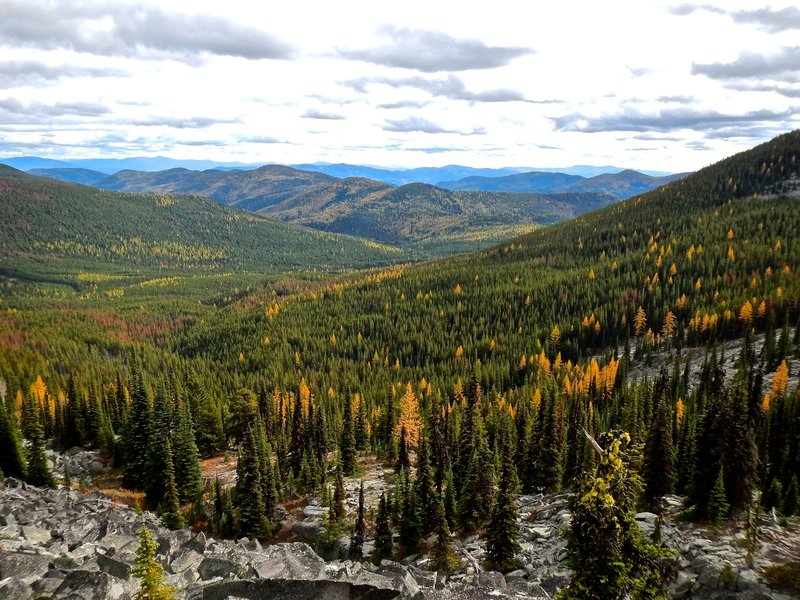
[492, 580]
[45, 587]
[517, 575]
[423, 578]
[185, 559]
[23, 566]
[307, 530]
[114, 567]
[289, 561]
[15, 589]
[400, 577]
[35, 534]
[293, 589]
[218, 565]
[88, 585]
[682, 585]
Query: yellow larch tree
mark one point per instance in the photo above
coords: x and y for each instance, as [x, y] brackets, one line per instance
[639, 321]
[409, 417]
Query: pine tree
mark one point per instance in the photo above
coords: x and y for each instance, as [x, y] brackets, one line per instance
[718, 503]
[410, 521]
[209, 433]
[361, 434]
[347, 447]
[188, 477]
[791, 499]
[659, 460]
[357, 538]
[149, 571]
[38, 472]
[337, 502]
[450, 503]
[426, 488]
[606, 550]
[249, 499]
[442, 555]
[12, 457]
[503, 530]
[158, 437]
[478, 490]
[774, 496]
[384, 543]
[403, 460]
[169, 509]
[135, 438]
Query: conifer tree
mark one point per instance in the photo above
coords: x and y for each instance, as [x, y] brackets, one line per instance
[606, 550]
[425, 487]
[169, 509]
[209, 433]
[791, 499]
[347, 447]
[38, 470]
[12, 457]
[403, 459]
[158, 437]
[659, 466]
[135, 439]
[224, 523]
[502, 531]
[442, 555]
[450, 503]
[149, 571]
[361, 433]
[774, 496]
[337, 501]
[384, 543]
[478, 491]
[188, 477]
[410, 521]
[717, 502]
[357, 538]
[249, 500]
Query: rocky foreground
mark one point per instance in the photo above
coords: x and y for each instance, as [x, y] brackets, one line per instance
[64, 544]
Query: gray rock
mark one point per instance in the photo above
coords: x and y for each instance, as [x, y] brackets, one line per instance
[293, 589]
[289, 561]
[423, 578]
[114, 567]
[88, 585]
[307, 530]
[218, 565]
[185, 559]
[400, 577]
[15, 589]
[35, 534]
[23, 566]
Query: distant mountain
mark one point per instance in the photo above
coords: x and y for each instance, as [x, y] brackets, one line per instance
[250, 190]
[25, 163]
[54, 229]
[404, 176]
[71, 175]
[621, 185]
[428, 218]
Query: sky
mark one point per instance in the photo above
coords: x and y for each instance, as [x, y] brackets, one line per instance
[637, 84]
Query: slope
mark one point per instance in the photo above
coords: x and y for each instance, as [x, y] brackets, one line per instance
[56, 227]
[699, 249]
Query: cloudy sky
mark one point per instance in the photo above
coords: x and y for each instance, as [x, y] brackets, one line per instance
[651, 85]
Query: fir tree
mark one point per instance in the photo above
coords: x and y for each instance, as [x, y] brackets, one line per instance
[347, 447]
[149, 571]
[478, 490]
[425, 487]
[38, 472]
[718, 503]
[403, 460]
[188, 477]
[12, 457]
[158, 437]
[357, 538]
[135, 438]
[169, 509]
[774, 496]
[410, 521]
[503, 530]
[606, 550]
[249, 500]
[442, 555]
[791, 499]
[384, 543]
[337, 501]
[659, 466]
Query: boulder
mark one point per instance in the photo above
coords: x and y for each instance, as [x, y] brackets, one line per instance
[15, 589]
[114, 567]
[307, 530]
[289, 561]
[294, 589]
[23, 566]
[88, 585]
[225, 566]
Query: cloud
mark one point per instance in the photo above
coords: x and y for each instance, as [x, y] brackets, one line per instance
[313, 113]
[437, 149]
[183, 122]
[665, 120]
[412, 124]
[260, 139]
[452, 87]
[746, 86]
[772, 21]
[751, 64]
[432, 51]
[403, 104]
[147, 32]
[18, 73]
[34, 110]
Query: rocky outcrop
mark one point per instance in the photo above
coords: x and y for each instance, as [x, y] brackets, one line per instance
[65, 544]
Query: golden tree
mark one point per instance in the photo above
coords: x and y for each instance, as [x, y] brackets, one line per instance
[409, 417]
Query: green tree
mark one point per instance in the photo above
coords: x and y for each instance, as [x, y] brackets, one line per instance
[12, 457]
[149, 571]
[658, 470]
[38, 472]
[478, 491]
[384, 543]
[248, 497]
[502, 531]
[188, 477]
[791, 499]
[170, 509]
[347, 447]
[357, 538]
[718, 503]
[136, 435]
[606, 550]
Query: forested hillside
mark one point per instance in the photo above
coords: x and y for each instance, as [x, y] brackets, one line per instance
[481, 371]
[53, 228]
